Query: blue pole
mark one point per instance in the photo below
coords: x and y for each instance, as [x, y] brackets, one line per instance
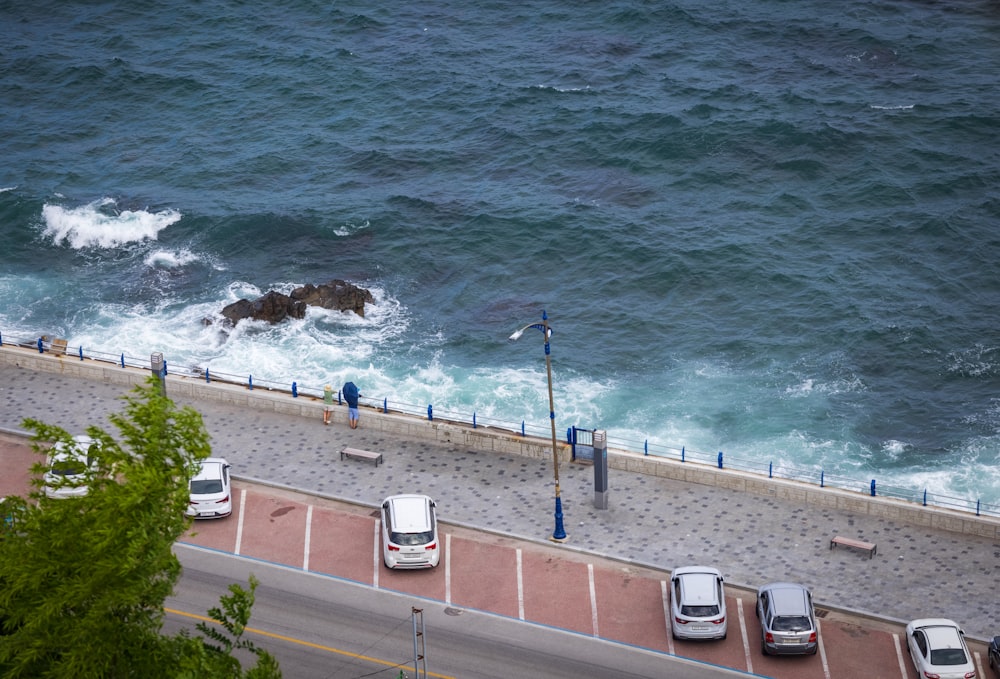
[645, 447]
[925, 497]
[522, 428]
[682, 453]
[473, 419]
[873, 487]
[770, 470]
[123, 358]
[430, 413]
[385, 405]
[820, 478]
[207, 377]
[81, 353]
[977, 507]
[560, 531]
[1, 339]
[720, 459]
[164, 367]
[250, 382]
[295, 389]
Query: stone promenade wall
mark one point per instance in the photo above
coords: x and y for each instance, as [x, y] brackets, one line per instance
[499, 441]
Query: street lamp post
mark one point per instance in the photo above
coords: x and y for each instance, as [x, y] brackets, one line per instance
[559, 535]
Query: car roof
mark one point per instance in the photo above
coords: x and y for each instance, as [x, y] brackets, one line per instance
[787, 598]
[698, 586]
[410, 513]
[80, 448]
[686, 570]
[941, 632]
[211, 468]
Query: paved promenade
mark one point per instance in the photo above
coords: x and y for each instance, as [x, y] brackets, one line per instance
[918, 572]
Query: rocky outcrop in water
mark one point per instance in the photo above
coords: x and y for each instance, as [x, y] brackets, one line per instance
[275, 307]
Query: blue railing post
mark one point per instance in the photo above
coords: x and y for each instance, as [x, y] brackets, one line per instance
[770, 470]
[977, 507]
[925, 497]
[81, 352]
[295, 389]
[164, 367]
[41, 349]
[123, 360]
[430, 413]
[682, 453]
[473, 419]
[250, 382]
[522, 428]
[821, 478]
[571, 435]
[720, 459]
[873, 487]
[385, 405]
[1, 339]
[208, 377]
[645, 447]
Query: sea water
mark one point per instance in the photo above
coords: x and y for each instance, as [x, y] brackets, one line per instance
[767, 228]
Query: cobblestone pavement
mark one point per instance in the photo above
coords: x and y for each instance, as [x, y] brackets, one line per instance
[918, 572]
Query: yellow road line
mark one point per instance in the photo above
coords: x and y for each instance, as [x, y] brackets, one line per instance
[300, 642]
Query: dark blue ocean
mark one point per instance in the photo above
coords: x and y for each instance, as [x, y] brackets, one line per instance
[768, 228]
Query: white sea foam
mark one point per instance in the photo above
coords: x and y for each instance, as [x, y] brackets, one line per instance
[102, 224]
[898, 107]
[5, 189]
[170, 259]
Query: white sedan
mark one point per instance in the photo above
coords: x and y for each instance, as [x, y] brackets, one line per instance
[211, 493]
[937, 647]
[69, 468]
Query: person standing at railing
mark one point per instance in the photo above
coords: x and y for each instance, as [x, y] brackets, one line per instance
[327, 403]
[351, 395]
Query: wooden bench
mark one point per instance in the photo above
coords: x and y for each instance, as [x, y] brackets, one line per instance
[361, 455]
[870, 547]
[58, 347]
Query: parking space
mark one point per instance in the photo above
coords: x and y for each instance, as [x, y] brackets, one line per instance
[483, 576]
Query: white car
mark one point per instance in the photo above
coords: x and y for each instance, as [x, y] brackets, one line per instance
[211, 493]
[409, 532]
[937, 647]
[697, 603]
[69, 468]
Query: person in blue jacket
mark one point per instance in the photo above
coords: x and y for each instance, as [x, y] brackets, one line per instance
[351, 395]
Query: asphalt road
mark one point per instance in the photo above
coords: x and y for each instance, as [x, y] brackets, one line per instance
[322, 626]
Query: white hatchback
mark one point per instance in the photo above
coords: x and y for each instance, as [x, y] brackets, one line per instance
[211, 493]
[68, 468]
[697, 603]
[409, 532]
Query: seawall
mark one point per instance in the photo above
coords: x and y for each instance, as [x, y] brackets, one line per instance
[487, 439]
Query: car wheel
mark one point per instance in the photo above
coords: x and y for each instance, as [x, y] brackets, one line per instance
[723, 637]
[813, 652]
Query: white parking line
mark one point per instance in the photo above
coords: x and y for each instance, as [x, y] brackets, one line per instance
[743, 633]
[593, 599]
[520, 587]
[666, 616]
[979, 664]
[822, 651]
[239, 521]
[309, 520]
[899, 656]
[375, 554]
[447, 569]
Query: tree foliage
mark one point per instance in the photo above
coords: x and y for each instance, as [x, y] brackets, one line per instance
[84, 579]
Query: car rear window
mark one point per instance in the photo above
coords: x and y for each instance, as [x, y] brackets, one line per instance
[411, 539]
[699, 611]
[791, 623]
[206, 486]
[948, 656]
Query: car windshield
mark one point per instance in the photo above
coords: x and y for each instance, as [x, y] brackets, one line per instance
[699, 611]
[68, 467]
[791, 623]
[411, 539]
[948, 656]
[206, 486]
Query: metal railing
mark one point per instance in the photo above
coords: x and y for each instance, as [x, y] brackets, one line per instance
[574, 435]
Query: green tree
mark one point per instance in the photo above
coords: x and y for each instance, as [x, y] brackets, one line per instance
[84, 579]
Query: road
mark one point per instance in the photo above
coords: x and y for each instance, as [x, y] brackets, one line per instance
[323, 626]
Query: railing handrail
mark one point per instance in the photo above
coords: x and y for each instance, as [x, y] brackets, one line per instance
[812, 475]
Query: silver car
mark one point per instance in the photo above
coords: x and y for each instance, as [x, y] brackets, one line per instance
[787, 620]
[697, 603]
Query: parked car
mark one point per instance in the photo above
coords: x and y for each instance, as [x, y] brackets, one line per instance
[994, 654]
[211, 492]
[937, 647]
[409, 532]
[787, 619]
[69, 468]
[697, 603]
